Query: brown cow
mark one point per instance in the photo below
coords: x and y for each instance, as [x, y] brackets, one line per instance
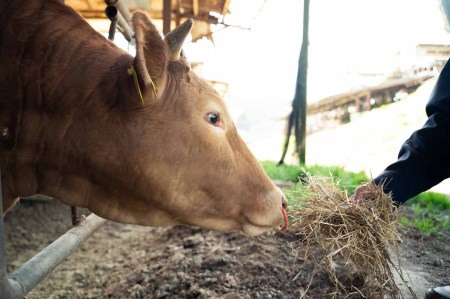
[75, 127]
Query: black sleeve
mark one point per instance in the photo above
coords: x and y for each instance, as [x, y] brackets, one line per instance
[424, 159]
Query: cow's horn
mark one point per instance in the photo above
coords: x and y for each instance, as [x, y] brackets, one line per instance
[175, 38]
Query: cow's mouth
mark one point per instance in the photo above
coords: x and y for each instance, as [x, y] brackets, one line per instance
[254, 229]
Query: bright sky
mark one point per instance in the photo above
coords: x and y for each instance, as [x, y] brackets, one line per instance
[346, 37]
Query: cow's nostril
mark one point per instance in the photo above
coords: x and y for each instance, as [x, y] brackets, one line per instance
[284, 202]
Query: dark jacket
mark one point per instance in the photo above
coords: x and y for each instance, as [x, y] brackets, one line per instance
[424, 159]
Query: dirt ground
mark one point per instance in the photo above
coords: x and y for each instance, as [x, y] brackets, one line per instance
[127, 261]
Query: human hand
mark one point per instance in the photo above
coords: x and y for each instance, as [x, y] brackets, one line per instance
[366, 191]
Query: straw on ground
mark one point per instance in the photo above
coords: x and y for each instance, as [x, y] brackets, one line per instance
[337, 234]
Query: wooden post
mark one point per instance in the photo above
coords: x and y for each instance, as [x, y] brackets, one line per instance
[177, 14]
[368, 99]
[301, 89]
[297, 118]
[357, 105]
[167, 15]
[195, 7]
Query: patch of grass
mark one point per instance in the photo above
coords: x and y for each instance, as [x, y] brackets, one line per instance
[427, 225]
[404, 221]
[283, 172]
[431, 213]
[431, 210]
[346, 180]
[431, 201]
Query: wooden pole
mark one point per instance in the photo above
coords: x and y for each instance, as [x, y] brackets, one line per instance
[195, 7]
[297, 118]
[167, 15]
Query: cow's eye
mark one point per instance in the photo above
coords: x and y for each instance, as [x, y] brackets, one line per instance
[213, 118]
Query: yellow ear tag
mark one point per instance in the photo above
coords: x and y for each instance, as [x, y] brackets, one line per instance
[132, 72]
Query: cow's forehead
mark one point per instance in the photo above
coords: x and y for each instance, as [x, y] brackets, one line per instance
[193, 91]
[204, 92]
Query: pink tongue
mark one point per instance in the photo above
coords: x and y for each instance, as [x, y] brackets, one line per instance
[286, 221]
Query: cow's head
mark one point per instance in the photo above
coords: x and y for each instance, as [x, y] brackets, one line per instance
[137, 140]
[193, 166]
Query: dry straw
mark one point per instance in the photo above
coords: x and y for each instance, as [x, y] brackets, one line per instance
[355, 244]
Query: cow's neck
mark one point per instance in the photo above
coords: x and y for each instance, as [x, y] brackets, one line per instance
[56, 72]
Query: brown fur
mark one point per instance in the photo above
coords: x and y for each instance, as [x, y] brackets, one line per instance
[78, 131]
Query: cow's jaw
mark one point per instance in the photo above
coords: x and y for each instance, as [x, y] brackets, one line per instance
[252, 230]
[268, 215]
[253, 220]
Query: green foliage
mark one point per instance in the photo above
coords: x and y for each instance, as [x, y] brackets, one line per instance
[431, 201]
[347, 180]
[429, 225]
[404, 221]
[431, 212]
[294, 173]
[282, 172]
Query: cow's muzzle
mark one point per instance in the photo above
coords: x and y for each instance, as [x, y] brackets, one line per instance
[269, 214]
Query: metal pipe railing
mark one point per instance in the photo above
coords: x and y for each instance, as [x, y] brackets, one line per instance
[24, 279]
[111, 13]
[124, 28]
[123, 9]
[7, 288]
[123, 18]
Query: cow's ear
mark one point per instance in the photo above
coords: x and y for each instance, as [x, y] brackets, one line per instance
[175, 38]
[152, 55]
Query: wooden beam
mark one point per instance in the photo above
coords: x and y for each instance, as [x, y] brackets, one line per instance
[178, 14]
[167, 15]
[207, 18]
[195, 7]
[89, 4]
[225, 7]
[92, 14]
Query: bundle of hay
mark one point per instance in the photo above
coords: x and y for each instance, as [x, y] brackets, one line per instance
[351, 237]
